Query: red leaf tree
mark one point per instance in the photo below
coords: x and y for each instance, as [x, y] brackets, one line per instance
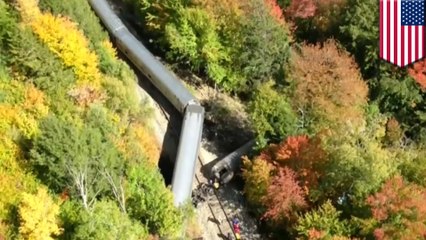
[302, 154]
[294, 167]
[275, 10]
[284, 196]
[301, 9]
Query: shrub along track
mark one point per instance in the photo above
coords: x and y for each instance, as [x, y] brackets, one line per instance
[214, 216]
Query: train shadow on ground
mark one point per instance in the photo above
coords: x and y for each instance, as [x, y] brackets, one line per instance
[174, 123]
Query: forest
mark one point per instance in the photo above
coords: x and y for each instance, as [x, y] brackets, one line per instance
[340, 134]
[77, 153]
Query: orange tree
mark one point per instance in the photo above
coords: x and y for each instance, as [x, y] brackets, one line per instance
[279, 180]
[328, 87]
[398, 211]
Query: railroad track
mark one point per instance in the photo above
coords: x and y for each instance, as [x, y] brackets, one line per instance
[218, 211]
[214, 204]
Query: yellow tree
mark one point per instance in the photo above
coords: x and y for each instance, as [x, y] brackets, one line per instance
[63, 37]
[257, 174]
[38, 216]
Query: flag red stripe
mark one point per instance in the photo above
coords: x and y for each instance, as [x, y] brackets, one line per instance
[423, 42]
[410, 59]
[402, 46]
[416, 51]
[395, 32]
[388, 3]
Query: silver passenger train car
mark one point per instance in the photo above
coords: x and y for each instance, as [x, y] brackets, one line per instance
[172, 89]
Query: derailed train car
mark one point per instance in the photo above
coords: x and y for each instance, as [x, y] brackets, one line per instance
[225, 168]
[172, 89]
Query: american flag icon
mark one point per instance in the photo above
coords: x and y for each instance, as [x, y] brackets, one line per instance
[402, 31]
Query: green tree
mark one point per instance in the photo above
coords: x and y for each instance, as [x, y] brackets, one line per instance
[265, 49]
[360, 34]
[106, 221]
[401, 97]
[395, 92]
[193, 37]
[67, 155]
[151, 202]
[38, 64]
[358, 163]
[272, 116]
[238, 53]
[413, 168]
[8, 24]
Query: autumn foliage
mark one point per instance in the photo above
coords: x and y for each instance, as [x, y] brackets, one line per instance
[281, 176]
[65, 39]
[275, 10]
[393, 131]
[51, 87]
[315, 20]
[39, 216]
[257, 174]
[300, 153]
[21, 107]
[399, 209]
[418, 72]
[300, 9]
[284, 196]
[328, 82]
